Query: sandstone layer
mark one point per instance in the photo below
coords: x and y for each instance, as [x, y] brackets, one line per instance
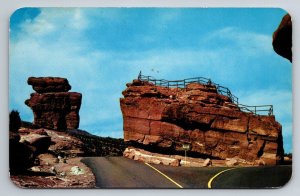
[53, 106]
[164, 119]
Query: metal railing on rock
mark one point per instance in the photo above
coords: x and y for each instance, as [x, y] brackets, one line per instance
[256, 110]
[183, 83]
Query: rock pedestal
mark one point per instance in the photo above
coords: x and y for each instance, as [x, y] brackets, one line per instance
[53, 106]
[163, 119]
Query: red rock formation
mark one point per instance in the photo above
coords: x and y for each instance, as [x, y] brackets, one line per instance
[52, 105]
[282, 38]
[166, 118]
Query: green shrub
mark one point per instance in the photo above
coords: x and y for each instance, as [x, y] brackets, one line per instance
[14, 121]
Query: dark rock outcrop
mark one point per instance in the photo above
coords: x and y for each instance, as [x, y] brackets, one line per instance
[52, 105]
[164, 118]
[24, 147]
[282, 38]
[21, 156]
[40, 142]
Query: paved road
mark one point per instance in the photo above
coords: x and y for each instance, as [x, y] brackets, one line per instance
[254, 177]
[120, 172]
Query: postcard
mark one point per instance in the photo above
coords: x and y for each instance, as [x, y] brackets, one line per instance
[150, 98]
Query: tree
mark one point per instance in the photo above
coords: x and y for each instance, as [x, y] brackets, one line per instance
[14, 121]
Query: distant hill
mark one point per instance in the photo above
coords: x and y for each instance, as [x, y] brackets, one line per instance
[99, 146]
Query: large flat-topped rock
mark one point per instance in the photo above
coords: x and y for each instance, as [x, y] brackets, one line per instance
[214, 126]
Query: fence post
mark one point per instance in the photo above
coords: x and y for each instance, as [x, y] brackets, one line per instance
[209, 82]
[271, 110]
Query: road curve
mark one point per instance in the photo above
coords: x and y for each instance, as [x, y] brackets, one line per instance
[254, 177]
[120, 172]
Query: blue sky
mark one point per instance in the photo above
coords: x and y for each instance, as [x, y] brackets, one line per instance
[99, 50]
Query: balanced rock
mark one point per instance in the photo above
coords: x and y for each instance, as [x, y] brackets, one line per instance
[52, 105]
[164, 119]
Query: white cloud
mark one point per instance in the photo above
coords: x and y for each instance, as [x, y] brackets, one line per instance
[38, 27]
[168, 16]
[79, 21]
[250, 43]
[50, 21]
